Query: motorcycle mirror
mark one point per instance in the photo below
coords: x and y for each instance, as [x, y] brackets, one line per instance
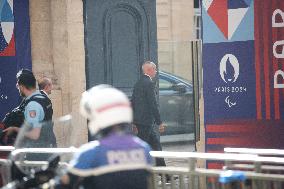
[53, 162]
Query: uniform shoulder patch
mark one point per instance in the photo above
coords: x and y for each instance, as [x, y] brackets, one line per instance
[32, 113]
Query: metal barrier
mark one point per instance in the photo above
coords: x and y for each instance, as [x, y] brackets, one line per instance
[264, 168]
[190, 176]
[193, 177]
[25, 165]
[256, 151]
[5, 164]
[267, 168]
[15, 153]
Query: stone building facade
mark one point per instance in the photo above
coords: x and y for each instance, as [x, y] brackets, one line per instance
[57, 38]
[174, 32]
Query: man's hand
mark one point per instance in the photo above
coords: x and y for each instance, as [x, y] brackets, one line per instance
[11, 130]
[162, 128]
[65, 179]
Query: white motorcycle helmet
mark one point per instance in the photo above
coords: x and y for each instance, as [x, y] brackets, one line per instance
[105, 106]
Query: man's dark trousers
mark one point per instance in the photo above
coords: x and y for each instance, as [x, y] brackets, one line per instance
[150, 134]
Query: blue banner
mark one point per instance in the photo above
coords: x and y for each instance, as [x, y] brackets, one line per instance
[243, 74]
[15, 50]
[230, 81]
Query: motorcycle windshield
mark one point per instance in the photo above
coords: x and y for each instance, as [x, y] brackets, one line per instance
[37, 143]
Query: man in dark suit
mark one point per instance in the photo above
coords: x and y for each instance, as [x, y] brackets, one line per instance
[146, 111]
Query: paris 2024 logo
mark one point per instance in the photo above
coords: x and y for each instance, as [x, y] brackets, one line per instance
[229, 70]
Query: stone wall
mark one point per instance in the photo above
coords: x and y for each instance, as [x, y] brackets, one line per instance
[57, 38]
[175, 31]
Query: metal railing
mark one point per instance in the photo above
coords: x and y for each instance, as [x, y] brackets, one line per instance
[191, 176]
[26, 165]
[267, 168]
[5, 165]
[257, 151]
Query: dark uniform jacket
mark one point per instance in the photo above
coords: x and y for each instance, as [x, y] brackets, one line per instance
[144, 102]
[16, 118]
[47, 136]
[118, 161]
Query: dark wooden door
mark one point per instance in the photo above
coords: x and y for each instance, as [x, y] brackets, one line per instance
[119, 36]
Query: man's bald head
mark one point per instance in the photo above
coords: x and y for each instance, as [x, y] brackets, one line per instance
[45, 84]
[149, 68]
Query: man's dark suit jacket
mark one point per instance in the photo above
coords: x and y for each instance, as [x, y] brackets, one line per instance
[144, 103]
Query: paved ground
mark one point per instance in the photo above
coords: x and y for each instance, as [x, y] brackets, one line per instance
[182, 146]
[177, 138]
[178, 147]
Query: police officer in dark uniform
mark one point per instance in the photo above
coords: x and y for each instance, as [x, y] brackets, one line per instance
[118, 159]
[36, 108]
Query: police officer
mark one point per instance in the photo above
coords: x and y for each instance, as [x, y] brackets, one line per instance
[37, 108]
[118, 159]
